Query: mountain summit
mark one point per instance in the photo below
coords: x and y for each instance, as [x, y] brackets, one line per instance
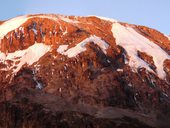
[83, 72]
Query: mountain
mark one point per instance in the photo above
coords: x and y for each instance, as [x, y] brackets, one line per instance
[72, 71]
[169, 37]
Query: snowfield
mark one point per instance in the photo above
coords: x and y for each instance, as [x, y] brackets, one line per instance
[169, 38]
[104, 18]
[125, 36]
[11, 24]
[15, 23]
[80, 47]
[132, 42]
[27, 56]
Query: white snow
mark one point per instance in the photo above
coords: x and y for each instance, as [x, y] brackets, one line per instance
[62, 48]
[2, 56]
[80, 47]
[169, 38]
[132, 42]
[27, 56]
[21, 29]
[11, 24]
[56, 17]
[38, 84]
[130, 85]
[15, 23]
[119, 70]
[51, 17]
[108, 61]
[34, 30]
[68, 20]
[107, 19]
[65, 32]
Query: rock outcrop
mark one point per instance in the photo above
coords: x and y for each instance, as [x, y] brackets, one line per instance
[67, 71]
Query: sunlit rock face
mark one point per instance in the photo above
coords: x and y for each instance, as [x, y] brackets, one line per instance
[70, 71]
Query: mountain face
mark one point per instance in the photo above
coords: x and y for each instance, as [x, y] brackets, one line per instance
[70, 72]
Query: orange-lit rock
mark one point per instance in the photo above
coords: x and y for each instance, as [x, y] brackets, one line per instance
[94, 88]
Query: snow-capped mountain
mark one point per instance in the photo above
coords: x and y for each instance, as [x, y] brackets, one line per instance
[169, 37]
[90, 60]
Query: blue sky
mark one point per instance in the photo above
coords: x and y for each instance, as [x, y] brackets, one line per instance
[152, 13]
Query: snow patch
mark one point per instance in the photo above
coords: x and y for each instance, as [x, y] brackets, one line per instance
[119, 70]
[27, 56]
[132, 42]
[62, 48]
[51, 17]
[34, 30]
[169, 38]
[68, 20]
[57, 17]
[65, 32]
[11, 25]
[107, 19]
[15, 23]
[38, 84]
[80, 47]
[2, 56]
[130, 85]
[21, 29]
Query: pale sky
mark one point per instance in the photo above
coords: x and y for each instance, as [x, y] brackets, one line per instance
[151, 13]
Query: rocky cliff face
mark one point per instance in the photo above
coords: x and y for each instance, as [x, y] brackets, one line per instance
[66, 71]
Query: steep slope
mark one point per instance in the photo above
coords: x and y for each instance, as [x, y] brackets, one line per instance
[91, 65]
[169, 37]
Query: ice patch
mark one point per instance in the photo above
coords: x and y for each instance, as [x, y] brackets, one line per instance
[132, 42]
[68, 20]
[80, 47]
[12, 24]
[107, 19]
[34, 30]
[57, 17]
[27, 56]
[169, 38]
[15, 23]
[130, 85]
[65, 32]
[119, 70]
[62, 48]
